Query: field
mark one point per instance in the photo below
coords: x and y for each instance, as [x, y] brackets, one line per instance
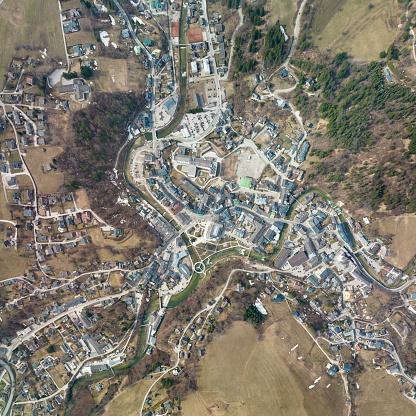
[403, 229]
[129, 402]
[263, 377]
[11, 263]
[35, 159]
[31, 23]
[379, 395]
[282, 10]
[354, 27]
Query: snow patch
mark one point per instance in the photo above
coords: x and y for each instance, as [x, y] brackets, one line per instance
[105, 37]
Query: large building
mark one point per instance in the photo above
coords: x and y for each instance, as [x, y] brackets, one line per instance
[199, 162]
[207, 66]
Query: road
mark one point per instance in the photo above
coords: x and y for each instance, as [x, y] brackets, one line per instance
[10, 372]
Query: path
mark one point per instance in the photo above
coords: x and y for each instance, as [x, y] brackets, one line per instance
[233, 37]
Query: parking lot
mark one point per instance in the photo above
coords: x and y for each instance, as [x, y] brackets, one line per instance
[210, 92]
[198, 123]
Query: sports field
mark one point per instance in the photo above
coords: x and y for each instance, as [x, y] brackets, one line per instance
[243, 375]
[31, 23]
[361, 28]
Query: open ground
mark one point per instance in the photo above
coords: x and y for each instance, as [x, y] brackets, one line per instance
[379, 395]
[403, 230]
[32, 24]
[361, 28]
[129, 401]
[36, 158]
[243, 374]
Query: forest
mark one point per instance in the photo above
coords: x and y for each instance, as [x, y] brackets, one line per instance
[363, 111]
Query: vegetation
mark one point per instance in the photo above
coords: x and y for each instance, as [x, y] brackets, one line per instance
[357, 102]
[196, 110]
[274, 45]
[86, 72]
[70, 75]
[50, 349]
[253, 314]
[99, 130]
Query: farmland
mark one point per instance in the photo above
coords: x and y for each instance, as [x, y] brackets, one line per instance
[264, 377]
[35, 26]
[354, 27]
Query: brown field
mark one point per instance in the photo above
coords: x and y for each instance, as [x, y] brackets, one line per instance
[30, 22]
[351, 26]
[244, 375]
[35, 159]
[403, 229]
[128, 74]
[11, 263]
[81, 199]
[379, 394]
[129, 402]
[4, 211]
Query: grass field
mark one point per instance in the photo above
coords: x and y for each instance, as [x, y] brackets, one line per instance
[379, 395]
[35, 159]
[243, 375]
[403, 229]
[354, 27]
[129, 402]
[29, 22]
[282, 10]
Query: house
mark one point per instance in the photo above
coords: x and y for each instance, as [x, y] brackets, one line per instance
[30, 80]
[219, 28]
[71, 26]
[309, 82]
[125, 33]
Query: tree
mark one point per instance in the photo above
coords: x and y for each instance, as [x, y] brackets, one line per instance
[383, 54]
[86, 72]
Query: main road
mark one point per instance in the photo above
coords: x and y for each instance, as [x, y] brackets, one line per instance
[10, 372]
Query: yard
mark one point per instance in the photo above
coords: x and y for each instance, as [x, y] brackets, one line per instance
[30, 24]
[46, 182]
[355, 27]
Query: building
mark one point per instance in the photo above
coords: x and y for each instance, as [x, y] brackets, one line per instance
[207, 66]
[281, 260]
[298, 259]
[199, 99]
[79, 88]
[303, 151]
